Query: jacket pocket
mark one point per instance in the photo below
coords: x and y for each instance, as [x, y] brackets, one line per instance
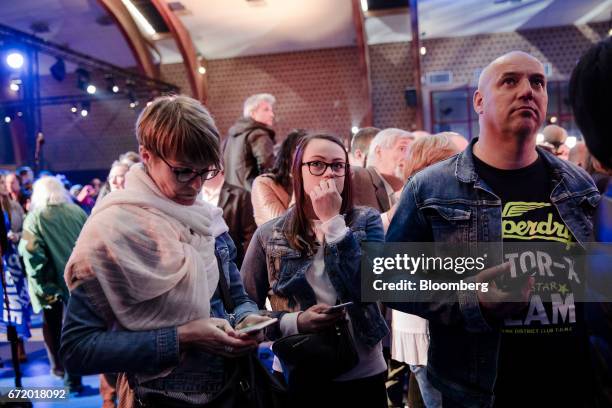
[448, 224]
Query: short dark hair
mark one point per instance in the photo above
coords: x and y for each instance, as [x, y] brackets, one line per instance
[361, 140]
[590, 88]
[181, 128]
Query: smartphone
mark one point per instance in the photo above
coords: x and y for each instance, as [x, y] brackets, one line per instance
[258, 326]
[336, 308]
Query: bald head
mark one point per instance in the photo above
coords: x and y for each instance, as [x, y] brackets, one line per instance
[555, 135]
[489, 71]
[511, 98]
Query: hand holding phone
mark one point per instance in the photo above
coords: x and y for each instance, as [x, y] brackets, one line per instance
[338, 308]
[257, 327]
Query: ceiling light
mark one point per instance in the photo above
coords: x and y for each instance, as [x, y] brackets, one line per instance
[91, 89]
[14, 60]
[15, 85]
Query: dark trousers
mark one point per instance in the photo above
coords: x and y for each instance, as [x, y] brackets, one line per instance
[364, 392]
[52, 334]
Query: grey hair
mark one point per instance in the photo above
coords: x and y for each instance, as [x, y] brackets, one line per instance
[386, 138]
[253, 101]
[48, 190]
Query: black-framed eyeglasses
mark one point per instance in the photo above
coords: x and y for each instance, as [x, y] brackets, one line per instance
[186, 174]
[318, 168]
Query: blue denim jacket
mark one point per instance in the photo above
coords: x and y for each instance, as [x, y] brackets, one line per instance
[92, 341]
[447, 202]
[272, 267]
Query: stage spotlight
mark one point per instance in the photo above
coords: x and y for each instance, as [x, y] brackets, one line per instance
[15, 85]
[74, 109]
[133, 100]
[111, 85]
[7, 119]
[20, 114]
[14, 60]
[91, 89]
[85, 108]
[82, 79]
[58, 70]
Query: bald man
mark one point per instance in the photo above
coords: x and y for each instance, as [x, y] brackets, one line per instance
[502, 188]
[555, 137]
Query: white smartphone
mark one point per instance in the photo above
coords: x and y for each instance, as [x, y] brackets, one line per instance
[258, 326]
[338, 307]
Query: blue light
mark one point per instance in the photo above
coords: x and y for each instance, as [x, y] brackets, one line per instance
[14, 60]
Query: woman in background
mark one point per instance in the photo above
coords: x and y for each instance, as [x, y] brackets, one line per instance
[272, 192]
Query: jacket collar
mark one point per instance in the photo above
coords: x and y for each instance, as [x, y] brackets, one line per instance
[465, 169]
[380, 188]
[224, 195]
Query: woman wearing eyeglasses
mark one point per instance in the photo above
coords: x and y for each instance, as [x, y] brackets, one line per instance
[309, 260]
[145, 271]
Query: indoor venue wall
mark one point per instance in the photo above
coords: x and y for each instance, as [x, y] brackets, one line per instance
[391, 64]
[317, 90]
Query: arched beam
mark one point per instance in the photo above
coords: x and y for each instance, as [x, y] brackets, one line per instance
[188, 51]
[364, 64]
[133, 36]
[415, 50]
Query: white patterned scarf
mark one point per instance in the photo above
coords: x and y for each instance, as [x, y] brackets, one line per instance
[154, 258]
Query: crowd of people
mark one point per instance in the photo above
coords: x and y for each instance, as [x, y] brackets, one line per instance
[155, 277]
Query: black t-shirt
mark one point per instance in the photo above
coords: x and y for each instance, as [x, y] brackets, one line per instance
[543, 359]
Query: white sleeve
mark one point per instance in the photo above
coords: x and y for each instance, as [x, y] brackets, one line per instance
[334, 229]
[288, 323]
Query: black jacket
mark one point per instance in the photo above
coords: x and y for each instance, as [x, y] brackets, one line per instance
[247, 152]
[238, 214]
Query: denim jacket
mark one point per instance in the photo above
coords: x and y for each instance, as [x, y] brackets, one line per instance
[448, 202]
[272, 267]
[92, 341]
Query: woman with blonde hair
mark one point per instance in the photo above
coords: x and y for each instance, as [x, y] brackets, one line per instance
[49, 232]
[156, 295]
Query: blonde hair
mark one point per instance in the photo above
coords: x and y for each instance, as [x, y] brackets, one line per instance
[428, 150]
[48, 190]
[180, 128]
